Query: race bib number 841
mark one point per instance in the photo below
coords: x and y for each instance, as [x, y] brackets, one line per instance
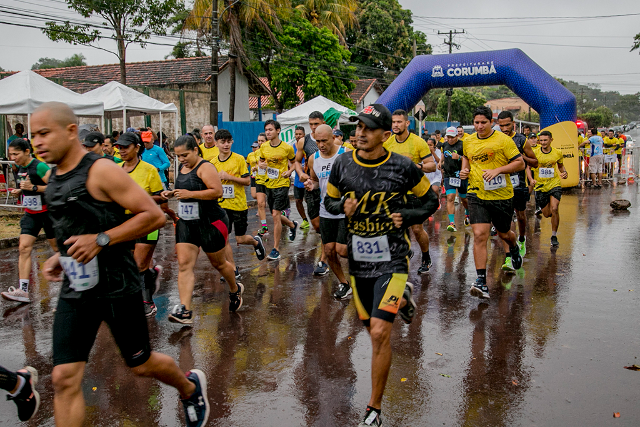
[82, 277]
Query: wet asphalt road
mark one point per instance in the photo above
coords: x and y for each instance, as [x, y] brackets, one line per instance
[547, 350]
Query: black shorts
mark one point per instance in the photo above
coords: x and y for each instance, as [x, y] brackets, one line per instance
[543, 198]
[278, 198]
[32, 223]
[450, 189]
[211, 237]
[76, 323]
[261, 188]
[313, 203]
[239, 220]
[253, 182]
[378, 297]
[496, 212]
[298, 192]
[150, 239]
[520, 198]
[333, 230]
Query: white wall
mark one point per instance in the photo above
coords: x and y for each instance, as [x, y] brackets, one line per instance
[242, 96]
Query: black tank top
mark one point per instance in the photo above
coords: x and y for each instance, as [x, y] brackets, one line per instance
[210, 210]
[31, 171]
[73, 212]
[310, 146]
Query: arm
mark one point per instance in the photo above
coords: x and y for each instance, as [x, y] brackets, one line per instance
[313, 182]
[298, 161]
[515, 165]
[292, 164]
[428, 164]
[166, 164]
[529, 156]
[243, 180]
[464, 172]
[532, 181]
[209, 175]
[428, 204]
[563, 171]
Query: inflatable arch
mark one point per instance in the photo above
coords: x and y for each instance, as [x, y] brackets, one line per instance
[512, 68]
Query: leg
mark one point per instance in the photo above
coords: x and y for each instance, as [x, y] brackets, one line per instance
[316, 226]
[143, 255]
[24, 257]
[277, 228]
[228, 253]
[522, 222]
[380, 331]
[262, 205]
[219, 262]
[334, 262]
[554, 205]
[246, 240]
[53, 244]
[187, 255]
[253, 193]
[451, 208]
[68, 401]
[480, 237]
[421, 236]
[165, 208]
[285, 221]
[8, 380]
[300, 208]
[164, 369]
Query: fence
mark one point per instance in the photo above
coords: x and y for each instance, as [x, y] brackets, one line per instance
[6, 178]
[613, 169]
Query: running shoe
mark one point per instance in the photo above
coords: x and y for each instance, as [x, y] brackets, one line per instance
[371, 418]
[479, 289]
[508, 265]
[425, 266]
[16, 294]
[235, 298]
[516, 259]
[409, 310]
[180, 314]
[260, 251]
[522, 246]
[305, 225]
[292, 231]
[196, 406]
[514, 217]
[451, 227]
[554, 242]
[264, 230]
[467, 221]
[494, 232]
[28, 400]
[150, 308]
[343, 291]
[274, 254]
[321, 269]
[236, 273]
[286, 212]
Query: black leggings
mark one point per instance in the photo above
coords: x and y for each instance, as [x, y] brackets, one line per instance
[8, 379]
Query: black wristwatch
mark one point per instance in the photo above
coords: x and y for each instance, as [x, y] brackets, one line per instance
[103, 240]
[34, 188]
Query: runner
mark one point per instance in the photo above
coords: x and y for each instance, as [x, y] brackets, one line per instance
[252, 163]
[305, 149]
[261, 188]
[109, 150]
[352, 138]
[521, 194]
[298, 186]
[489, 158]
[233, 172]
[33, 176]
[156, 157]
[416, 149]
[547, 182]
[333, 228]
[378, 242]
[533, 143]
[596, 156]
[21, 387]
[450, 164]
[611, 144]
[208, 147]
[147, 177]
[435, 177]
[87, 199]
[275, 157]
[622, 144]
[203, 224]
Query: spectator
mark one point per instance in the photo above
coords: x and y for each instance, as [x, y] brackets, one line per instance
[19, 128]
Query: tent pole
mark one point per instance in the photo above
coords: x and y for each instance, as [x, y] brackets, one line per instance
[160, 134]
[29, 126]
[124, 119]
[104, 125]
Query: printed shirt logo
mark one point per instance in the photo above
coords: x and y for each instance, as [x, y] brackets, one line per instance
[372, 111]
[483, 157]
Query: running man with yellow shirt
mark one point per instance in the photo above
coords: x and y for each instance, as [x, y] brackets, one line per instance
[490, 157]
[258, 190]
[234, 175]
[277, 158]
[415, 148]
[208, 146]
[547, 181]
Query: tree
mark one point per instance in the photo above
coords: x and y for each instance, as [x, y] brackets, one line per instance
[524, 115]
[130, 21]
[598, 117]
[336, 15]
[636, 43]
[462, 105]
[628, 107]
[189, 46]
[75, 60]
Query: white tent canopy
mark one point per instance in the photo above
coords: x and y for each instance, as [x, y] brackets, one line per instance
[300, 114]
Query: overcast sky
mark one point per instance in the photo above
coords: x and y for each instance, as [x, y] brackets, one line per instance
[594, 50]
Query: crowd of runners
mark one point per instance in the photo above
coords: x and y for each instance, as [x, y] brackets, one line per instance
[365, 196]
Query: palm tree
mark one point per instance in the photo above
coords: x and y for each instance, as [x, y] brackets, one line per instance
[336, 15]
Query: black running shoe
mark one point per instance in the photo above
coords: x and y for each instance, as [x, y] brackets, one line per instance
[260, 251]
[425, 266]
[235, 298]
[293, 231]
[479, 289]
[150, 309]
[516, 259]
[371, 418]
[180, 314]
[409, 310]
[196, 406]
[554, 241]
[343, 291]
[321, 269]
[28, 400]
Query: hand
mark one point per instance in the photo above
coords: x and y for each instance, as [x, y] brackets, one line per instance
[439, 166]
[397, 219]
[350, 206]
[308, 185]
[564, 175]
[166, 195]
[455, 156]
[83, 248]
[224, 175]
[464, 173]
[262, 163]
[286, 174]
[26, 184]
[52, 270]
[489, 174]
[304, 177]
[182, 194]
[16, 192]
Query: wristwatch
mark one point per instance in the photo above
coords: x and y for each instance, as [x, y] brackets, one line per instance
[103, 240]
[34, 188]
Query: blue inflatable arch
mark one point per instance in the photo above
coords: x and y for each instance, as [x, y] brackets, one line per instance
[510, 67]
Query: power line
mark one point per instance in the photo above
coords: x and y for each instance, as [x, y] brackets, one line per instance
[530, 17]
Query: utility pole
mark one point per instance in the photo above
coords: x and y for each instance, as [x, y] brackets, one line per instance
[213, 103]
[451, 44]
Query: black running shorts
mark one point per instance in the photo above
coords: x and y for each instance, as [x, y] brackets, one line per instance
[298, 192]
[313, 203]
[32, 223]
[261, 188]
[238, 219]
[543, 198]
[211, 237]
[76, 323]
[253, 182]
[521, 197]
[378, 297]
[150, 239]
[333, 230]
[496, 212]
[278, 198]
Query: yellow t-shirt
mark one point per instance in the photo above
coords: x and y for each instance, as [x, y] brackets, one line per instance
[547, 161]
[147, 177]
[252, 159]
[490, 153]
[277, 163]
[621, 141]
[414, 147]
[235, 165]
[610, 141]
[587, 147]
[209, 153]
[348, 145]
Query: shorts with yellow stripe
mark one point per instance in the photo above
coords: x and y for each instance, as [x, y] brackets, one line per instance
[150, 239]
[378, 297]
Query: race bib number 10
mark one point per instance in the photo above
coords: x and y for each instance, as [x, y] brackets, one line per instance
[370, 249]
[188, 210]
[82, 277]
[496, 183]
[546, 172]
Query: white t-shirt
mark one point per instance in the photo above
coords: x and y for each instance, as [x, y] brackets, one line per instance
[435, 177]
[322, 169]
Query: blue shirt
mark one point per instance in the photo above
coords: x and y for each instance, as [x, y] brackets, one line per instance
[156, 157]
[597, 145]
[296, 181]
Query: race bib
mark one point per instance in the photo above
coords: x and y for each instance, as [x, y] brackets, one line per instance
[188, 210]
[32, 202]
[228, 191]
[496, 183]
[370, 249]
[454, 182]
[546, 172]
[273, 173]
[610, 158]
[262, 171]
[515, 180]
[81, 276]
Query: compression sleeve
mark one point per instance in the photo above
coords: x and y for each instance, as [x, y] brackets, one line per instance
[428, 205]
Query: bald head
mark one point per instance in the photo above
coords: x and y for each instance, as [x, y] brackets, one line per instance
[58, 112]
[54, 131]
[208, 136]
[324, 140]
[325, 130]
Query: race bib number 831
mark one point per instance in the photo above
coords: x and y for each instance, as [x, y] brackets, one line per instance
[370, 249]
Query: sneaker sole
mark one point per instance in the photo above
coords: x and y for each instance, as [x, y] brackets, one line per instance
[202, 379]
[241, 287]
[321, 274]
[273, 259]
[476, 292]
[34, 380]
[260, 245]
[349, 292]
[181, 321]
[13, 298]
[508, 269]
[152, 313]
[411, 301]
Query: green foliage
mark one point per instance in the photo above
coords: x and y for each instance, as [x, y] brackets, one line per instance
[74, 60]
[492, 92]
[598, 117]
[524, 115]
[462, 105]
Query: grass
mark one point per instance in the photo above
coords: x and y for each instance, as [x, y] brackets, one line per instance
[10, 223]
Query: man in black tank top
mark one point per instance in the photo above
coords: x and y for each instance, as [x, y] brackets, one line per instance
[87, 199]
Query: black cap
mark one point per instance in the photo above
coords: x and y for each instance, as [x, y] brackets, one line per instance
[93, 138]
[129, 138]
[532, 135]
[375, 116]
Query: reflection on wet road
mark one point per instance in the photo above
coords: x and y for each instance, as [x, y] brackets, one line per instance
[548, 349]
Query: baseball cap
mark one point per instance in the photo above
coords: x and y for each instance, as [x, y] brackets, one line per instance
[128, 138]
[93, 138]
[375, 116]
[451, 131]
[134, 130]
[82, 134]
[337, 132]
[255, 145]
[147, 136]
[532, 135]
